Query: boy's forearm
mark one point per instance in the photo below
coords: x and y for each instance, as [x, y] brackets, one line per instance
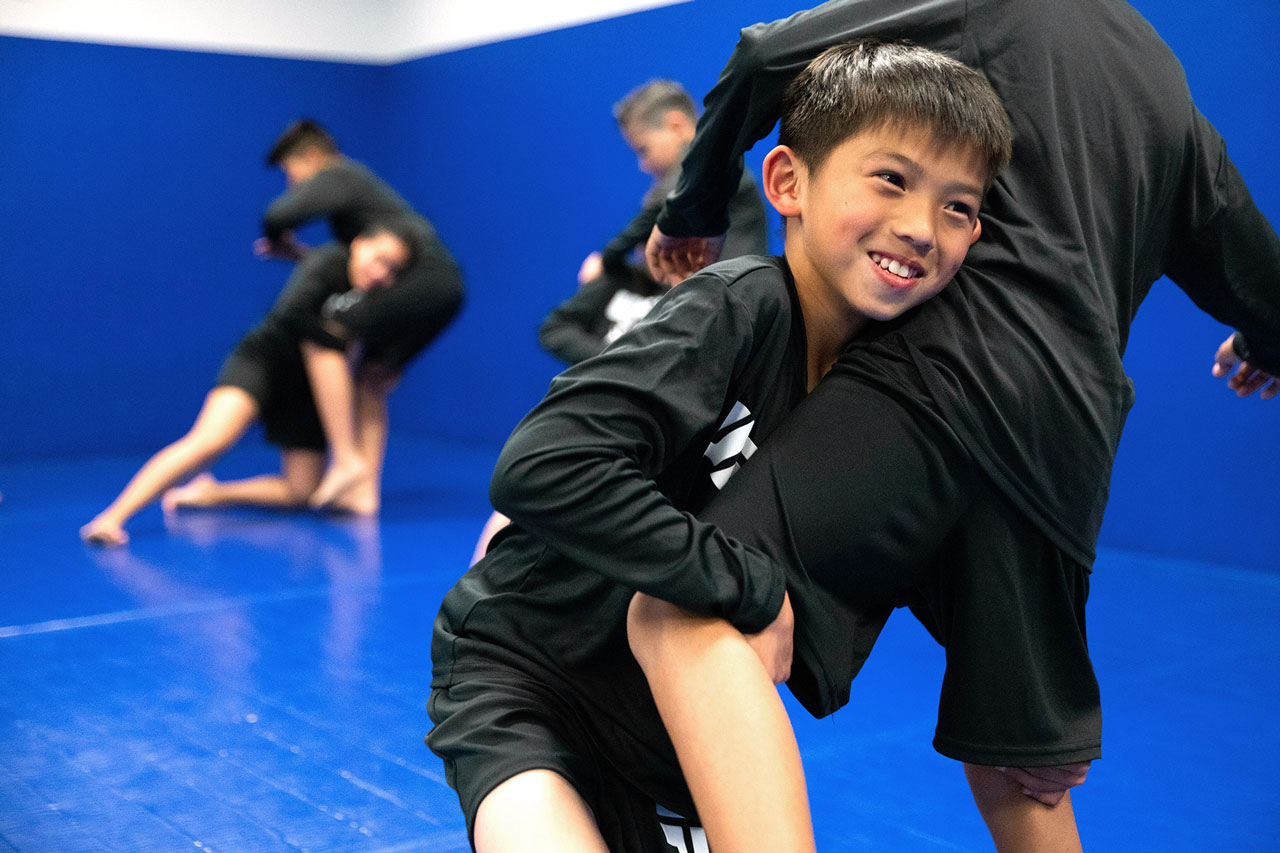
[305, 202]
[616, 251]
[599, 509]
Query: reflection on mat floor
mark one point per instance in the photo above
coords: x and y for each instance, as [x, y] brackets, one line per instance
[241, 681]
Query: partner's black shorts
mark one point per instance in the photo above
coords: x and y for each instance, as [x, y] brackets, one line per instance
[276, 379]
[872, 502]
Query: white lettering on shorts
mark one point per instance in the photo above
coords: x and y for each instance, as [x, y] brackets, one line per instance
[682, 834]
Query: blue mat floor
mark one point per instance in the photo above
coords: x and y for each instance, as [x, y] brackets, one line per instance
[247, 681]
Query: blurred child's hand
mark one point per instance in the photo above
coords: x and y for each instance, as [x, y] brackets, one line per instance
[288, 248]
[774, 645]
[1247, 378]
[591, 268]
[673, 259]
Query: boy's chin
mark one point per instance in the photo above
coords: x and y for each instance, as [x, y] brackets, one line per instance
[883, 312]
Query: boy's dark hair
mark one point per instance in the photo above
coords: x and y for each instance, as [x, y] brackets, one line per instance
[297, 137]
[872, 83]
[406, 230]
[649, 103]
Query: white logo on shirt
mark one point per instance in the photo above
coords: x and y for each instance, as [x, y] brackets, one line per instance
[339, 302]
[624, 310]
[732, 445]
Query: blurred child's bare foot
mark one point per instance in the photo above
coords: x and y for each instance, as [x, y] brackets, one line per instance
[103, 533]
[336, 483]
[197, 492]
[360, 499]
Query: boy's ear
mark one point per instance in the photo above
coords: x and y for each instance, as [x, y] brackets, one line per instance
[677, 121]
[783, 179]
[977, 231]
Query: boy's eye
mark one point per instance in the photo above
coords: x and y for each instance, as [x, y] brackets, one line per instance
[893, 178]
[964, 208]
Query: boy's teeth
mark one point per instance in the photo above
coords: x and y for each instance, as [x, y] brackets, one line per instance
[894, 267]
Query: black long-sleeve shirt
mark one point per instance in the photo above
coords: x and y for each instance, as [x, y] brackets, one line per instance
[319, 305]
[394, 323]
[602, 480]
[347, 194]
[600, 311]
[745, 227]
[1116, 180]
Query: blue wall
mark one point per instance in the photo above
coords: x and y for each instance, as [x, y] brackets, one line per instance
[133, 183]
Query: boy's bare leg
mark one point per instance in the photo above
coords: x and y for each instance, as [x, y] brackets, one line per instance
[300, 473]
[226, 414]
[365, 496]
[1018, 823]
[537, 811]
[334, 391]
[731, 732]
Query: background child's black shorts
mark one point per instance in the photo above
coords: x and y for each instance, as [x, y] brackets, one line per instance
[277, 380]
[490, 727]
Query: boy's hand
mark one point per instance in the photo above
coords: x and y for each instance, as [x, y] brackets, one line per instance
[1048, 784]
[673, 259]
[1247, 378]
[590, 269]
[774, 644]
[288, 248]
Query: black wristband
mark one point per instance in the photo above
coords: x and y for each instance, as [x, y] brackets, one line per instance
[1240, 347]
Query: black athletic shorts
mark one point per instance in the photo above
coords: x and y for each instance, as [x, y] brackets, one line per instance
[872, 503]
[275, 377]
[490, 727]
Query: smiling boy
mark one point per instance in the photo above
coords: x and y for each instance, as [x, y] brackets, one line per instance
[546, 727]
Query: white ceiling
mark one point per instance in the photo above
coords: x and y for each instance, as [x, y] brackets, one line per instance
[366, 31]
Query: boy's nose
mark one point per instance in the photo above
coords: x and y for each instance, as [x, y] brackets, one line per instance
[914, 225]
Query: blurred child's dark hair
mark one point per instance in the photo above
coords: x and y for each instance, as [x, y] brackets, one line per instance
[402, 228]
[299, 136]
[872, 83]
[649, 103]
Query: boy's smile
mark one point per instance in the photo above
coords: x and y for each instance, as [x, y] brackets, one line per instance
[883, 223]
